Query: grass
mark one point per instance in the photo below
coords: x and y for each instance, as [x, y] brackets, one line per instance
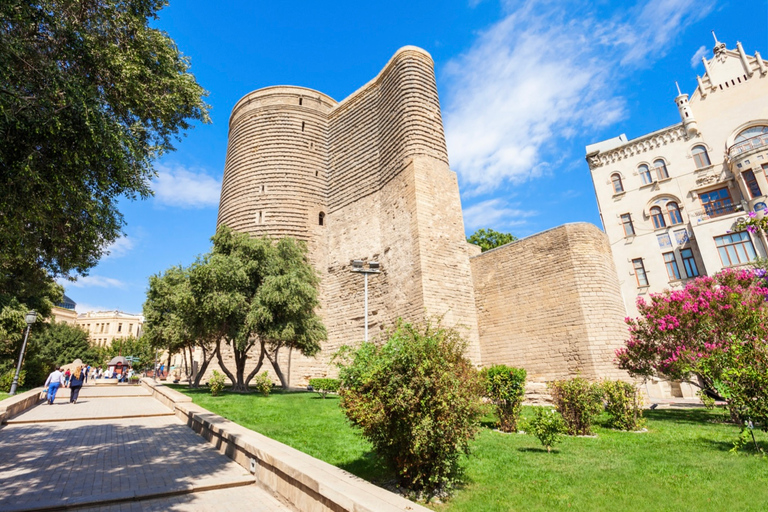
[682, 463]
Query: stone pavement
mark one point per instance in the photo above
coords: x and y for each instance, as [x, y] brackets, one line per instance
[140, 458]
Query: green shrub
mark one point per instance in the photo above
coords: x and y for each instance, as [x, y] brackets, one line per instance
[6, 379]
[216, 383]
[547, 426]
[624, 405]
[579, 402]
[325, 386]
[505, 387]
[706, 400]
[417, 399]
[262, 383]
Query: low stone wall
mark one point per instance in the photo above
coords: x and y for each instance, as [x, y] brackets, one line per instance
[307, 483]
[17, 404]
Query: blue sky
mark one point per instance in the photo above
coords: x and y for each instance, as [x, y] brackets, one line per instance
[524, 87]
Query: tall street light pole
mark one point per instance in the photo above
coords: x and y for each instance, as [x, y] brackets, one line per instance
[30, 319]
[373, 268]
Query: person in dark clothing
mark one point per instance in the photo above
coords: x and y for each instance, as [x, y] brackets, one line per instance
[76, 382]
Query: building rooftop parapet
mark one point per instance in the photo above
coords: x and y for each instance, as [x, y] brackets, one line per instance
[637, 146]
[109, 314]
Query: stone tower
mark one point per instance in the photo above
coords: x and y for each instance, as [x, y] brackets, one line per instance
[365, 178]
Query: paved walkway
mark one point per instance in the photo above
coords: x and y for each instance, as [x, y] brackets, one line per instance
[118, 449]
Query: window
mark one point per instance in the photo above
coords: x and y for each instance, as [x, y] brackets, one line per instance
[626, 221]
[321, 218]
[661, 169]
[717, 202]
[618, 186]
[700, 157]
[754, 131]
[751, 182]
[689, 262]
[642, 279]
[645, 174]
[130, 328]
[671, 263]
[735, 248]
[658, 218]
[674, 213]
[119, 327]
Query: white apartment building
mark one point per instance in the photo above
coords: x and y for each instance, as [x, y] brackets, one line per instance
[670, 200]
[105, 326]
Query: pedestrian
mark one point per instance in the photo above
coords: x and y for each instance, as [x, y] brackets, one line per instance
[67, 375]
[85, 372]
[77, 379]
[93, 373]
[52, 383]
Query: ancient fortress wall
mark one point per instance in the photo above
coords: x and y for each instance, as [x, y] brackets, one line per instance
[551, 303]
[375, 168]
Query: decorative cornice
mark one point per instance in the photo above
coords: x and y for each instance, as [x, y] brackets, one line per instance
[638, 146]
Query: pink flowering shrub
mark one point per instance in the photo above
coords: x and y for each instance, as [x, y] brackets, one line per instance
[679, 330]
[715, 329]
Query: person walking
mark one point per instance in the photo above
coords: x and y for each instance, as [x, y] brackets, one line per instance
[52, 383]
[85, 372]
[76, 383]
[67, 375]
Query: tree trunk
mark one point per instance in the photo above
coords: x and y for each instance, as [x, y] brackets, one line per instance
[276, 366]
[207, 358]
[255, 371]
[221, 363]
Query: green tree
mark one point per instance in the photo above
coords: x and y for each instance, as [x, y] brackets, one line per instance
[488, 239]
[254, 292]
[131, 346]
[173, 322]
[90, 94]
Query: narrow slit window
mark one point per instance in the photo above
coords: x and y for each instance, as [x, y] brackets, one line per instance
[321, 219]
[302, 126]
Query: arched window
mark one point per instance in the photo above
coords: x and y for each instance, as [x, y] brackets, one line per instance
[753, 131]
[618, 186]
[661, 169]
[658, 218]
[321, 218]
[674, 213]
[700, 157]
[645, 174]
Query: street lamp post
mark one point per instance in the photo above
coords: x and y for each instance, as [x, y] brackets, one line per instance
[373, 268]
[30, 319]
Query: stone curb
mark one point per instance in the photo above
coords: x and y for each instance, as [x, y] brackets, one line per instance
[307, 483]
[16, 405]
[129, 495]
[99, 418]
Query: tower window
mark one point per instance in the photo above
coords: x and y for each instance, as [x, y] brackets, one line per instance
[300, 100]
[302, 126]
[321, 219]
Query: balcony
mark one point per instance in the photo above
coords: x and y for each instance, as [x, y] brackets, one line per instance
[714, 211]
[748, 145]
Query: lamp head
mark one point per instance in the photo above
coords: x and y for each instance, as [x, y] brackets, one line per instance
[357, 264]
[373, 265]
[31, 317]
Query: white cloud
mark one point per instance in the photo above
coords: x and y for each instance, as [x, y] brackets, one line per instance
[496, 214]
[543, 74]
[92, 282]
[185, 188]
[120, 247]
[84, 308]
[696, 59]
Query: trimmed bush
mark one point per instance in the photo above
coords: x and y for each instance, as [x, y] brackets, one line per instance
[624, 405]
[547, 426]
[6, 379]
[216, 383]
[262, 383]
[505, 387]
[325, 386]
[417, 399]
[579, 402]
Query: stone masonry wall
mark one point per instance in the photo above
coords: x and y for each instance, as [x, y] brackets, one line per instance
[550, 303]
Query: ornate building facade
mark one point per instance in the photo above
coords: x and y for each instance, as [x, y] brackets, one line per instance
[670, 200]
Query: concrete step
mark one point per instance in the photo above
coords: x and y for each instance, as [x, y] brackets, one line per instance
[147, 493]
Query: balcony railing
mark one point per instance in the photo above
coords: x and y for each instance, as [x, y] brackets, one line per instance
[715, 211]
[746, 145]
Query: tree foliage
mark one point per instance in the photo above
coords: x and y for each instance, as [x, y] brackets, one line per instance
[130, 346]
[505, 387]
[89, 95]
[714, 329]
[488, 238]
[417, 399]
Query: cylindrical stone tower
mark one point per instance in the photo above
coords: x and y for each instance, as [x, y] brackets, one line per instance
[275, 175]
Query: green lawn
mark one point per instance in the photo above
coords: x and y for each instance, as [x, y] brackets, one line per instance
[682, 463]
